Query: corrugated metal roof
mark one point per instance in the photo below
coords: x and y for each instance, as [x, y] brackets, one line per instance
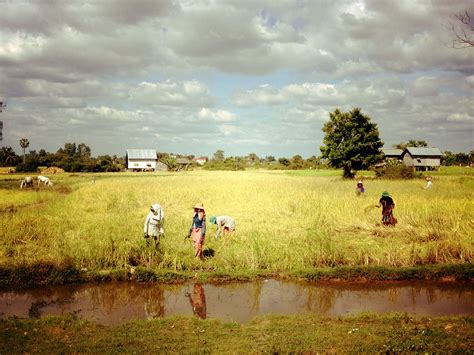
[182, 161]
[426, 152]
[141, 154]
[396, 152]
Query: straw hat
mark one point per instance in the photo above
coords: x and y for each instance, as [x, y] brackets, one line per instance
[360, 182]
[199, 206]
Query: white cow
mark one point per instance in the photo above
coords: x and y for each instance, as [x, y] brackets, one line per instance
[45, 180]
[26, 182]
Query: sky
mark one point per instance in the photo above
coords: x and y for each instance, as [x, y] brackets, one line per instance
[192, 77]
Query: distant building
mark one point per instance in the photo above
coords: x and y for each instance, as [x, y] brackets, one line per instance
[201, 160]
[392, 154]
[141, 159]
[422, 158]
[160, 166]
[183, 163]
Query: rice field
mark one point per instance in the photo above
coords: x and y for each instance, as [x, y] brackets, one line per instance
[286, 221]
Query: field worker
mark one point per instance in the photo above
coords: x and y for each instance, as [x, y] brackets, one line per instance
[387, 204]
[360, 188]
[429, 183]
[154, 224]
[198, 229]
[225, 223]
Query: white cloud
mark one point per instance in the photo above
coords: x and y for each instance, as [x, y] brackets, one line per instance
[217, 116]
[461, 117]
[125, 71]
[228, 130]
[263, 95]
[171, 93]
[425, 86]
[470, 80]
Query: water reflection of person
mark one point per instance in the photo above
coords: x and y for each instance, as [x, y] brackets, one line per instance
[154, 302]
[197, 299]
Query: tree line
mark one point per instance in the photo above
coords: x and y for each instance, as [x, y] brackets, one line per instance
[72, 158]
[351, 143]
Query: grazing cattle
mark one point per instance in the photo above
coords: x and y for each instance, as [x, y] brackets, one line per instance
[45, 180]
[26, 182]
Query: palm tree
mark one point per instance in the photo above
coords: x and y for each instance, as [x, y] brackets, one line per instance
[24, 143]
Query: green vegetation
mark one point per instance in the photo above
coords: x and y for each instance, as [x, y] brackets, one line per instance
[396, 170]
[351, 141]
[365, 333]
[286, 225]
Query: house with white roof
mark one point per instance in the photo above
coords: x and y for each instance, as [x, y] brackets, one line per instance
[141, 159]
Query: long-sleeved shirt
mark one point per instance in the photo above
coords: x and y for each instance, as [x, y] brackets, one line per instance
[197, 223]
[387, 205]
[154, 222]
[223, 222]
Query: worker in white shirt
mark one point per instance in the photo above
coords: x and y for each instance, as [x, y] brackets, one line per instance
[154, 224]
[224, 223]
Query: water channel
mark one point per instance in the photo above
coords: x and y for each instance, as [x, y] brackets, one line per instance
[115, 303]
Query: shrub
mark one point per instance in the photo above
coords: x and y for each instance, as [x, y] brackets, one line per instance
[28, 166]
[396, 171]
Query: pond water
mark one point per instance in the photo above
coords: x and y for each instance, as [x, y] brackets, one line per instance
[115, 303]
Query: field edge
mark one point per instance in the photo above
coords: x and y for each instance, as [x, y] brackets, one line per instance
[41, 274]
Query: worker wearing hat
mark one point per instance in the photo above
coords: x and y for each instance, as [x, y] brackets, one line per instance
[198, 229]
[360, 188]
[387, 204]
[225, 223]
[154, 224]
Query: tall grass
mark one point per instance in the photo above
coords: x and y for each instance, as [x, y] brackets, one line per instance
[284, 222]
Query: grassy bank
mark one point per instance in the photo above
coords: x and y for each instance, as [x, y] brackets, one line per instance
[365, 333]
[22, 276]
[286, 223]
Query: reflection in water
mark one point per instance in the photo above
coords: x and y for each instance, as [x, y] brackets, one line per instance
[320, 300]
[115, 303]
[155, 302]
[197, 299]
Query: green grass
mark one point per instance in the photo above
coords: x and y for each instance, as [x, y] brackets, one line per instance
[285, 222]
[452, 171]
[363, 334]
[328, 172]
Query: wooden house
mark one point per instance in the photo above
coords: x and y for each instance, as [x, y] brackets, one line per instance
[392, 154]
[422, 158]
[182, 163]
[141, 159]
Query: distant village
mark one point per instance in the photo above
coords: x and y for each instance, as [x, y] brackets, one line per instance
[420, 158]
[77, 158]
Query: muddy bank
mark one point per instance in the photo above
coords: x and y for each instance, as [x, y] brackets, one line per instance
[51, 274]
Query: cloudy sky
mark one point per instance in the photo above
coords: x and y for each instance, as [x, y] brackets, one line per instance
[242, 76]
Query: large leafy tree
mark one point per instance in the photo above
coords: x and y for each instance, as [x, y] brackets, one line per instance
[351, 142]
[8, 157]
[219, 155]
[411, 143]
